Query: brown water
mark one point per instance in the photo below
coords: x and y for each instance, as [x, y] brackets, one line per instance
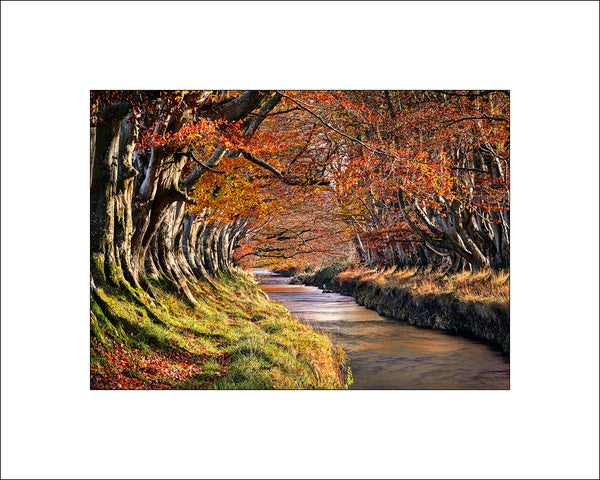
[389, 354]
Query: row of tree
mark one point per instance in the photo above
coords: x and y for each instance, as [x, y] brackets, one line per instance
[430, 184]
[147, 157]
[185, 184]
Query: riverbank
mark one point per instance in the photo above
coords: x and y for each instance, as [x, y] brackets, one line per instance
[475, 306]
[235, 339]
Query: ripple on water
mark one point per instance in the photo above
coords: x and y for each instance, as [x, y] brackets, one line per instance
[389, 354]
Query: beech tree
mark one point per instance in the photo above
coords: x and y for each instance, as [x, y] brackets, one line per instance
[140, 144]
[185, 184]
[175, 177]
[435, 163]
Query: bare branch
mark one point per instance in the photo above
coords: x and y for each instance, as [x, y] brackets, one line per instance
[288, 180]
[498, 119]
[295, 109]
[304, 107]
[473, 94]
[192, 178]
[260, 163]
[476, 170]
[205, 166]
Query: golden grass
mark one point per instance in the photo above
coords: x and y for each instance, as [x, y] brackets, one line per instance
[485, 286]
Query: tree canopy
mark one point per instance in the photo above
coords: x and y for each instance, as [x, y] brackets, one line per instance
[188, 184]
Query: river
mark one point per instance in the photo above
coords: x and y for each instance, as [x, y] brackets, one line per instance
[384, 353]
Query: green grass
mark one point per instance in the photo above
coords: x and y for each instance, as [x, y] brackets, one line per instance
[235, 339]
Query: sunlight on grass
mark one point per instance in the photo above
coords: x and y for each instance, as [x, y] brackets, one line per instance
[485, 286]
[476, 305]
[236, 339]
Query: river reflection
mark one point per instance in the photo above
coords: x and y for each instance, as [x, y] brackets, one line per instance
[389, 354]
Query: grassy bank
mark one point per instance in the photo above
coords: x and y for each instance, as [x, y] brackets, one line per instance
[470, 305]
[235, 339]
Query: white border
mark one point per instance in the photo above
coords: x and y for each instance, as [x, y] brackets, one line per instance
[546, 53]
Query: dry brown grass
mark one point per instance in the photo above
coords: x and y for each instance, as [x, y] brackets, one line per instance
[486, 286]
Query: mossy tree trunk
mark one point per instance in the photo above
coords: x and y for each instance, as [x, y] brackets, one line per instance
[162, 185]
[112, 174]
[138, 222]
[111, 228]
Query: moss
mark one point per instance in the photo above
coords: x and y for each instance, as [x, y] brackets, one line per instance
[165, 284]
[95, 330]
[234, 339]
[112, 326]
[113, 272]
[97, 268]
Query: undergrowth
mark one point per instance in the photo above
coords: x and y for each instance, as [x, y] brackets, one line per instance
[486, 286]
[235, 339]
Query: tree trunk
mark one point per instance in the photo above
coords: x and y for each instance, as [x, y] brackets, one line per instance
[166, 252]
[111, 185]
[199, 250]
[179, 230]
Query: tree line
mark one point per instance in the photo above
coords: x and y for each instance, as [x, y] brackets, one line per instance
[187, 184]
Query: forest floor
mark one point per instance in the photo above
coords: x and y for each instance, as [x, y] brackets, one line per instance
[235, 339]
[475, 305]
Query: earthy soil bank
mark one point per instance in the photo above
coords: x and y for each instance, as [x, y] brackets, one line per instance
[474, 306]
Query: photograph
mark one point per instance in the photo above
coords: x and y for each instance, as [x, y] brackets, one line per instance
[320, 239]
[300, 240]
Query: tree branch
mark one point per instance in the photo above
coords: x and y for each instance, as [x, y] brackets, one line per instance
[283, 178]
[473, 94]
[205, 166]
[498, 119]
[241, 106]
[331, 127]
[269, 105]
[260, 163]
[193, 177]
[477, 170]
[295, 109]
[426, 219]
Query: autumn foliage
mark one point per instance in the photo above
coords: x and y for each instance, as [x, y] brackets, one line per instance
[187, 186]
